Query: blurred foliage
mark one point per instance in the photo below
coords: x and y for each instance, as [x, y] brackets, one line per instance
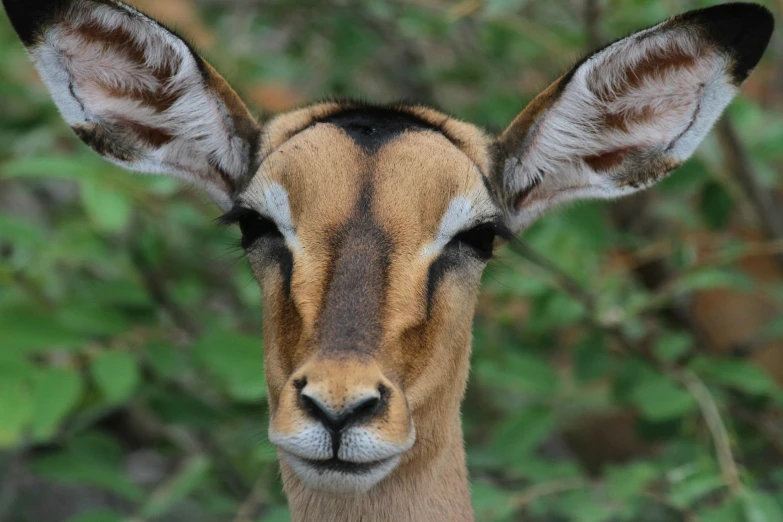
[131, 382]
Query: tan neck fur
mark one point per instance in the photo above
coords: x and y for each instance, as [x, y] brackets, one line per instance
[435, 489]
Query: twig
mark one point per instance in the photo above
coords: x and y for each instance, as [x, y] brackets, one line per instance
[9, 487]
[718, 432]
[765, 205]
[573, 288]
[592, 26]
[564, 280]
[687, 514]
[249, 510]
[156, 288]
[530, 495]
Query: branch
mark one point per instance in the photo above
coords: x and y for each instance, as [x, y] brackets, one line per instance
[255, 502]
[9, 487]
[688, 379]
[765, 205]
[156, 288]
[592, 27]
[720, 435]
[523, 499]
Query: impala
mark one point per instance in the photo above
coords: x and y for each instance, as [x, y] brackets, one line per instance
[368, 227]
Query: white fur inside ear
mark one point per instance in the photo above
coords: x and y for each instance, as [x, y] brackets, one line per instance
[650, 97]
[112, 67]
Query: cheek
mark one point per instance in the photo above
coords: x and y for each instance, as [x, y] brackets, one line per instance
[282, 330]
[437, 354]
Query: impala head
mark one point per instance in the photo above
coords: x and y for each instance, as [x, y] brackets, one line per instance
[368, 227]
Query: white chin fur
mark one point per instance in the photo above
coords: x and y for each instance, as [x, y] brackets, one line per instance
[339, 482]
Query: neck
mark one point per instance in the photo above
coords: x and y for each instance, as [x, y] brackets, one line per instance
[430, 485]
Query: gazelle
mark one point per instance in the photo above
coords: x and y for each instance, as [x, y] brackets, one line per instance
[368, 227]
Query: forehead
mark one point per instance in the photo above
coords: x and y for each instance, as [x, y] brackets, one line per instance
[330, 162]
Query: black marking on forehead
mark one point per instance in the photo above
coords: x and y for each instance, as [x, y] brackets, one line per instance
[352, 312]
[373, 127]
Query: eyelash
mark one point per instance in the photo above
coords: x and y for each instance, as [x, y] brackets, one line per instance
[480, 239]
[253, 225]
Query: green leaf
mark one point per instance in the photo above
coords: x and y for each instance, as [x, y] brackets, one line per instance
[728, 512]
[673, 345]
[108, 209]
[57, 167]
[660, 399]
[99, 516]
[16, 410]
[166, 360]
[236, 361]
[761, 507]
[626, 482]
[277, 514]
[56, 394]
[116, 374]
[591, 358]
[739, 374]
[521, 433]
[31, 331]
[710, 278]
[92, 460]
[716, 205]
[520, 372]
[689, 490]
[490, 503]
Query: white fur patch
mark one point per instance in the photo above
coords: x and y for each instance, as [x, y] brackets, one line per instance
[279, 210]
[458, 215]
[661, 113]
[359, 444]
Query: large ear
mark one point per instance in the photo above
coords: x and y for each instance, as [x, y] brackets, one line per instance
[138, 94]
[630, 113]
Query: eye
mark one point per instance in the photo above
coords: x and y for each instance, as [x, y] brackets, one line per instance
[480, 239]
[255, 226]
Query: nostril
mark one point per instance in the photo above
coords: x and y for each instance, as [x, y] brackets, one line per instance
[367, 408]
[318, 411]
[363, 410]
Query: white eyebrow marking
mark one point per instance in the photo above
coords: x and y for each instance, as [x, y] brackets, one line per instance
[276, 200]
[457, 216]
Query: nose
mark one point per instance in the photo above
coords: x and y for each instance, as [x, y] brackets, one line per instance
[361, 408]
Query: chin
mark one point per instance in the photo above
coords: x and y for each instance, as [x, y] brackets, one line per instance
[339, 476]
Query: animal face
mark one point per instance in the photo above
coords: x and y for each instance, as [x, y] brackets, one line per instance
[370, 256]
[368, 227]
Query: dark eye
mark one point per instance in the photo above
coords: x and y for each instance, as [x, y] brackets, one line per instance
[255, 226]
[479, 239]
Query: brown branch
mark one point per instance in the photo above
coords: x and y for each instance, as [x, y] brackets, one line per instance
[765, 204]
[592, 13]
[157, 289]
[530, 495]
[718, 432]
[9, 486]
[254, 504]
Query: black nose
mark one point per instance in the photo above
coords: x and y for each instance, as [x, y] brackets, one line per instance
[336, 420]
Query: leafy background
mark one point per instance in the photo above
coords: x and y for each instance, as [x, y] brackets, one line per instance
[628, 356]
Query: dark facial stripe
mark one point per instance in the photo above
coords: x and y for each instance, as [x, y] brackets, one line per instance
[354, 301]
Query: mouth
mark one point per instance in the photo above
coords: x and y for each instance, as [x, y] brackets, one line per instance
[340, 476]
[343, 466]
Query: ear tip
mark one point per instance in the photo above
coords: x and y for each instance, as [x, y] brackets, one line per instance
[29, 17]
[741, 29]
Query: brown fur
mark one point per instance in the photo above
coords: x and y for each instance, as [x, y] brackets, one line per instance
[423, 361]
